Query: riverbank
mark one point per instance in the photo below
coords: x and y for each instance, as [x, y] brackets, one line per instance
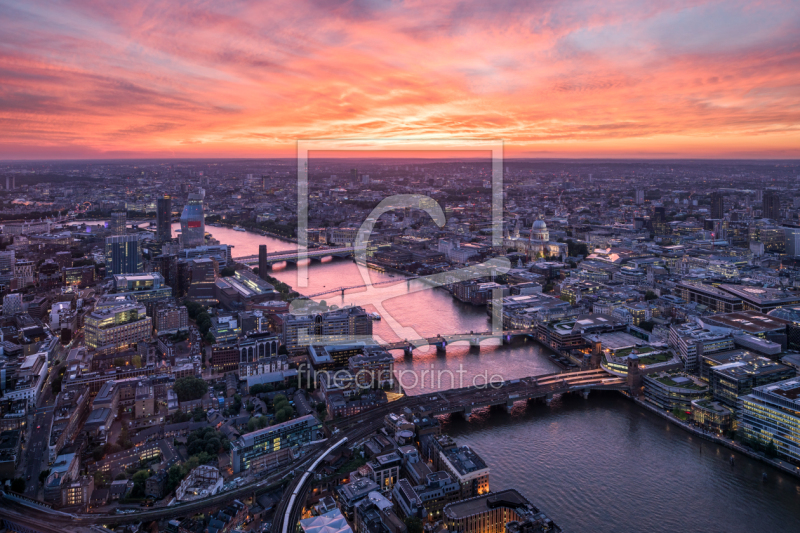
[722, 441]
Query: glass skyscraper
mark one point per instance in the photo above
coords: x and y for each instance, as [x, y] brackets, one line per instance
[193, 224]
[122, 254]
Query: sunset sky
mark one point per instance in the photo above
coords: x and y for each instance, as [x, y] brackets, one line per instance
[85, 79]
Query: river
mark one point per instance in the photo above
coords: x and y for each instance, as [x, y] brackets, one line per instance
[600, 464]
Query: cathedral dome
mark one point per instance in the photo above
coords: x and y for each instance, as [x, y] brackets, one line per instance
[540, 225]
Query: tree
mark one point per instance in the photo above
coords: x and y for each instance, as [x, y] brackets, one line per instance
[18, 485]
[227, 272]
[771, 450]
[136, 361]
[120, 476]
[413, 524]
[43, 475]
[650, 295]
[101, 478]
[190, 388]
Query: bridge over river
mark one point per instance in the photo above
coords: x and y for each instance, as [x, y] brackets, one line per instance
[295, 256]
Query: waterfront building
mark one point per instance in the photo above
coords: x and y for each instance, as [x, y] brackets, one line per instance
[463, 464]
[268, 448]
[712, 415]
[122, 254]
[737, 376]
[242, 290]
[674, 390]
[193, 224]
[497, 512]
[219, 252]
[771, 413]
[570, 333]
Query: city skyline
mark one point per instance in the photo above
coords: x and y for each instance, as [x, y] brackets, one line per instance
[632, 79]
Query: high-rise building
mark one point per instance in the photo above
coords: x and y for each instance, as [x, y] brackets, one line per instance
[119, 221]
[164, 219]
[354, 175]
[717, 205]
[122, 254]
[262, 261]
[772, 205]
[193, 224]
[12, 304]
[167, 266]
[10, 183]
[792, 237]
[639, 196]
[118, 327]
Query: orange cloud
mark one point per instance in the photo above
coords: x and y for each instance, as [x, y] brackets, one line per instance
[231, 79]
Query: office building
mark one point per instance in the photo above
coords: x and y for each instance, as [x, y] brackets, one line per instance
[118, 223]
[221, 253]
[142, 287]
[772, 205]
[122, 254]
[164, 219]
[717, 206]
[791, 235]
[167, 266]
[117, 328]
[333, 327]
[639, 196]
[10, 183]
[507, 511]
[193, 224]
[463, 464]
[771, 414]
[692, 340]
[170, 319]
[674, 390]
[268, 448]
[737, 376]
[12, 304]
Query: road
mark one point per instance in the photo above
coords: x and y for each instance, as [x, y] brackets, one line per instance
[37, 452]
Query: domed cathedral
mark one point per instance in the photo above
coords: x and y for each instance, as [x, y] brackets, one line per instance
[539, 232]
[538, 244]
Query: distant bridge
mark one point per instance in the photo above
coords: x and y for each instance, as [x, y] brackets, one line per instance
[342, 289]
[441, 341]
[295, 256]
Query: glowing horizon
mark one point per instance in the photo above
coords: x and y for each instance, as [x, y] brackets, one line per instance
[578, 80]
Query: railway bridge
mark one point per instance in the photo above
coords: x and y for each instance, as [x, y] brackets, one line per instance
[294, 256]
